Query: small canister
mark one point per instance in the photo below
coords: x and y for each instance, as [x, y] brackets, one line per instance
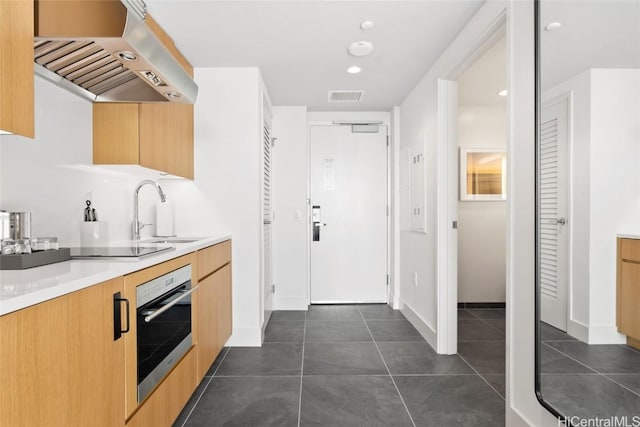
[20, 225]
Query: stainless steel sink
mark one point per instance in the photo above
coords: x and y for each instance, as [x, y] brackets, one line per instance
[170, 240]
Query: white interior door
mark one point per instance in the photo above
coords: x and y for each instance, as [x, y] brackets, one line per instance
[348, 179]
[554, 198]
[267, 219]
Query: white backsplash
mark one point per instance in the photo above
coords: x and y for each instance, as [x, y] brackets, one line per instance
[51, 176]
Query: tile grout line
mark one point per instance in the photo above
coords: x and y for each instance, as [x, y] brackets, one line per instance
[570, 357]
[304, 338]
[602, 374]
[406, 408]
[483, 378]
[204, 389]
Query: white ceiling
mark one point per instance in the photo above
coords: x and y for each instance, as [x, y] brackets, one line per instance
[594, 34]
[300, 46]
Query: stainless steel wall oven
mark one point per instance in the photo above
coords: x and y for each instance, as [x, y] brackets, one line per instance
[163, 313]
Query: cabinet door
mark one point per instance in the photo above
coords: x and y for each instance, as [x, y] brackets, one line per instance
[629, 314]
[208, 347]
[223, 300]
[115, 134]
[16, 67]
[60, 364]
[166, 138]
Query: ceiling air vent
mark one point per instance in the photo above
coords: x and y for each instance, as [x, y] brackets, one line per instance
[345, 95]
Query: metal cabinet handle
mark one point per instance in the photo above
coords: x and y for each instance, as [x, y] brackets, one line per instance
[164, 308]
[117, 316]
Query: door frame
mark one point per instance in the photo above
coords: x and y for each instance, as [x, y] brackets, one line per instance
[388, 189]
[447, 188]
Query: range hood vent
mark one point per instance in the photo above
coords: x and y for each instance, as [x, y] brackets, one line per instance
[123, 61]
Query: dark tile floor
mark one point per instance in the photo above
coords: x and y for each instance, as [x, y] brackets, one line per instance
[589, 381]
[356, 365]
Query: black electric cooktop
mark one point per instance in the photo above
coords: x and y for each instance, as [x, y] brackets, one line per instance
[115, 252]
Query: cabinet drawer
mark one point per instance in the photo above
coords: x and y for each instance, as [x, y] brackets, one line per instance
[212, 258]
[630, 249]
[165, 403]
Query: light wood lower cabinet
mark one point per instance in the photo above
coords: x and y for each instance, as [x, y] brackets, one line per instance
[628, 318]
[59, 363]
[165, 404]
[214, 303]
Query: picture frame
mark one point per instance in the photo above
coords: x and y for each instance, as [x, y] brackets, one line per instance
[483, 174]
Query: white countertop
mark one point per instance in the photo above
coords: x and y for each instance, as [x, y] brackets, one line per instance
[629, 236]
[23, 288]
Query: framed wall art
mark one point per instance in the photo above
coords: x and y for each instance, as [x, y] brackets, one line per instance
[483, 174]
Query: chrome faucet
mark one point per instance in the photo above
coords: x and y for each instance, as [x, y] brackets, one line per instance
[137, 226]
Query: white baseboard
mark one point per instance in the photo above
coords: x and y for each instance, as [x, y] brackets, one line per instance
[427, 332]
[290, 303]
[595, 334]
[578, 330]
[606, 335]
[245, 337]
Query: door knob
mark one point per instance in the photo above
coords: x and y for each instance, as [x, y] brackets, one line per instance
[561, 221]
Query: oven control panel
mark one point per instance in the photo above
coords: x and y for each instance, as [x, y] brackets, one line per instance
[161, 285]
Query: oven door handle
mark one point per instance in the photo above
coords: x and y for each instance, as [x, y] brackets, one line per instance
[164, 308]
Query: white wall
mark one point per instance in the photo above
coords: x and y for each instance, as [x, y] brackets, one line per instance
[482, 225]
[228, 132]
[615, 187]
[51, 175]
[604, 153]
[290, 170]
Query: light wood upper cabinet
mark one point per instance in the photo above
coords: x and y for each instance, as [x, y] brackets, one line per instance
[156, 136]
[60, 364]
[16, 67]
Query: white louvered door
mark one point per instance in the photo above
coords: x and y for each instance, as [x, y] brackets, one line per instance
[267, 219]
[553, 205]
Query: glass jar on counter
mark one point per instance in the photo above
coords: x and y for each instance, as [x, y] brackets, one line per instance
[23, 246]
[44, 243]
[8, 246]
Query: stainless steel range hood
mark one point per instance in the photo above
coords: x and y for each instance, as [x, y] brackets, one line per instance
[104, 51]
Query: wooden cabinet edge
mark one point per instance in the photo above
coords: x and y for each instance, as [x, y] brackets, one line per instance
[628, 253]
[17, 102]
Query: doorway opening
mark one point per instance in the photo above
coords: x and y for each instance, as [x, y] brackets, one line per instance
[472, 195]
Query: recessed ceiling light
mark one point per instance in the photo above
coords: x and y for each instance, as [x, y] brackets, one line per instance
[354, 69]
[360, 48]
[366, 25]
[552, 26]
[503, 92]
